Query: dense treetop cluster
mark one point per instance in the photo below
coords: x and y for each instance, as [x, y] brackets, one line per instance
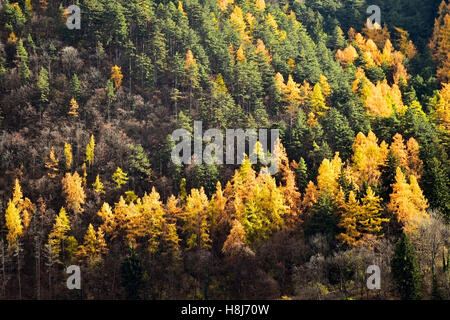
[86, 175]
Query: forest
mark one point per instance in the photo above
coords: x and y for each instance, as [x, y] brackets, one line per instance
[87, 178]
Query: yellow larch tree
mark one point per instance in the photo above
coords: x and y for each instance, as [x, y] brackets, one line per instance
[260, 5]
[347, 56]
[98, 185]
[17, 193]
[362, 222]
[415, 164]
[325, 86]
[279, 83]
[417, 198]
[73, 110]
[328, 176]
[407, 202]
[265, 210]
[74, 192]
[59, 234]
[240, 55]
[379, 35]
[84, 168]
[68, 155]
[441, 109]
[220, 84]
[398, 148]
[12, 38]
[440, 42]
[379, 102]
[288, 188]
[261, 48]
[271, 22]
[292, 97]
[217, 206]
[120, 177]
[52, 164]
[191, 68]
[223, 4]
[149, 222]
[118, 223]
[318, 102]
[90, 151]
[116, 76]
[368, 157]
[236, 240]
[195, 217]
[371, 222]
[406, 46]
[349, 221]
[107, 216]
[93, 247]
[310, 197]
[238, 24]
[25, 206]
[13, 225]
[173, 209]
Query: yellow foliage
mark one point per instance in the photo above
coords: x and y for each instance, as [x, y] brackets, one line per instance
[116, 76]
[368, 157]
[240, 55]
[329, 172]
[236, 240]
[52, 164]
[73, 190]
[13, 225]
[260, 5]
[58, 234]
[93, 247]
[90, 150]
[12, 38]
[98, 185]
[223, 4]
[311, 196]
[68, 155]
[190, 61]
[73, 110]
[407, 202]
[261, 48]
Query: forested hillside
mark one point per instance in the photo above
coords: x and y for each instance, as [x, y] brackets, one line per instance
[87, 178]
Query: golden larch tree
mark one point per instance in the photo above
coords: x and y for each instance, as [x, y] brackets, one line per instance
[25, 206]
[120, 177]
[73, 109]
[68, 155]
[74, 192]
[116, 76]
[415, 164]
[368, 157]
[59, 234]
[93, 247]
[440, 42]
[349, 221]
[196, 220]
[236, 240]
[90, 151]
[52, 164]
[407, 203]
[98, 185]
[398, 148]
[13, 225]
[371, 222]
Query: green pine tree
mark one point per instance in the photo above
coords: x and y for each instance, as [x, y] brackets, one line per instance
[405, 270]
[132, 274]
